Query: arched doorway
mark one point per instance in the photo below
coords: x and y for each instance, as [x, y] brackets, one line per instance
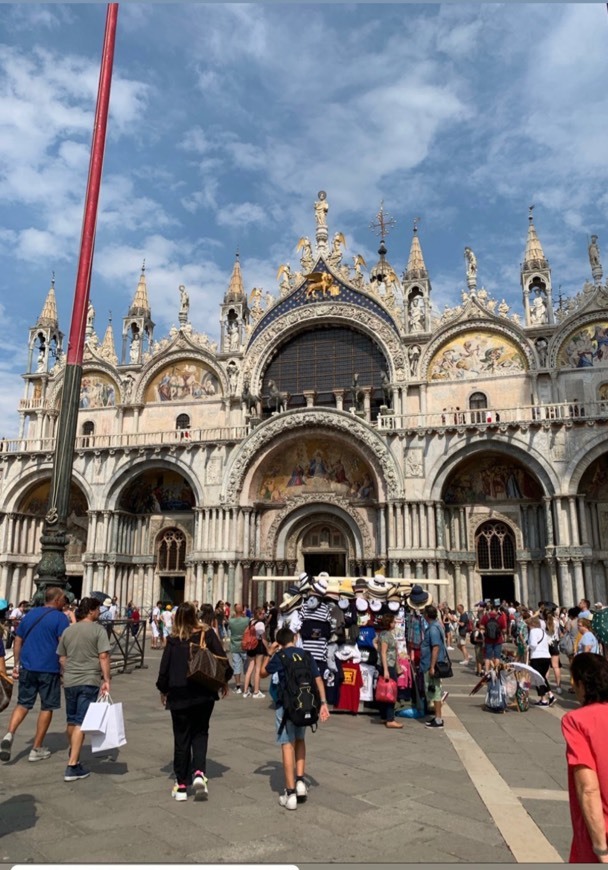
[324, 548]
[171, 565]
[495, 549]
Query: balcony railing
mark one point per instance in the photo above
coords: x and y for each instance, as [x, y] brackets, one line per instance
[182, 437]
[455, 418]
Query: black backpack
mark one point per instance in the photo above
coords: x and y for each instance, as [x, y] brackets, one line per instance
[298, 694]
[492, 629]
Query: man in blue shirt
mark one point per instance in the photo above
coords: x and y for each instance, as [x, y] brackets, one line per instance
[432, 650]
[36, 666]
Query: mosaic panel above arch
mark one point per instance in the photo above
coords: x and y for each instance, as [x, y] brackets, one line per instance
[476, 353]
[157, 491]
[183, 380]
[586, 347]
[37, 499]
[97, 390]
[594, 482]
[492, 477]
[313, 465]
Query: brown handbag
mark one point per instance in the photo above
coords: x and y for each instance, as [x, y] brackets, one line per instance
[6, 691]
[206, 668]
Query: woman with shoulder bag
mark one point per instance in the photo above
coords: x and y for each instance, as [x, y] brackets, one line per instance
[540, 659]
[190, 702]
[387, 644]
[553, 633]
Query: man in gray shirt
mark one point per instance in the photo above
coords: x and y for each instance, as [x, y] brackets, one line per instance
[84, 656]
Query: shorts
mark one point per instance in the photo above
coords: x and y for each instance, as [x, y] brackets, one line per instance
[493, 650]
[479, 654]
[33, 683]
[155, 631]
[239, 663]
[77, 700]
[432, 687]
[290, 732]
[260, 650]
[461, 640]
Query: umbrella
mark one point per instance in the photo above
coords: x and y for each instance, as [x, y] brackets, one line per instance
[534, 677]
[478, 686]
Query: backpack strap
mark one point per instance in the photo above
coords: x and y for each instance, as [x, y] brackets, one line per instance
[32, 627]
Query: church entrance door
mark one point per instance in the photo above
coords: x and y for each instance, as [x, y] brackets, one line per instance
[333, 563]
[498, 586]
[172, 589]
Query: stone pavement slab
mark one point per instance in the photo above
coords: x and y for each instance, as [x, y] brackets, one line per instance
[375, 795]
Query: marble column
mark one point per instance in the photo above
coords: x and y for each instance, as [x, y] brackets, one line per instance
[590, 586]
[579, 581]
[574, 530]
[549, 520]
[431, 525]
[582, 517]
[565, 587]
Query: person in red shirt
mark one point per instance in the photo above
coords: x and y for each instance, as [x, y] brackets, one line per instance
[585, 732]
[494, 626]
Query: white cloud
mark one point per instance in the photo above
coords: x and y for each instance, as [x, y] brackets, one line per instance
[240, 215]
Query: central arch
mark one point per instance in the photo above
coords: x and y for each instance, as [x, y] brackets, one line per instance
[302, 514]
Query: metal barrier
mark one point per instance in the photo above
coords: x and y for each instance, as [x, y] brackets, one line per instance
[127, 649]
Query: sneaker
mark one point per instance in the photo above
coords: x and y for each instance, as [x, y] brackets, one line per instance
[238, 690]
[5, 747]
[450, 647]
[247, 694]
[301, 791]
[434, 723]
[289, 801]
[199, 784]
[39, 754]
[542, 703]
[444, 696]
[74, 772]
[179, 792]
[464, 663]
[259, 695]
[559, 690]
[552, 700]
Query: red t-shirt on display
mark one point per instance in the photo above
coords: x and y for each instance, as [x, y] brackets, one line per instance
[585, 733]
[350, 689]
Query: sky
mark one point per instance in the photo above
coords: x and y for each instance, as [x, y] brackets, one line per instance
[226, 120]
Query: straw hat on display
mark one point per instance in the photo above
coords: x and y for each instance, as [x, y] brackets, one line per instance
[333, 589]
[419, 597]
[290, 601]
[378, 587]
[319, 586]
[305, 583]
[346, 589]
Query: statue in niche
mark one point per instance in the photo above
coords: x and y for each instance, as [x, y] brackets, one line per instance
[416, 314]
[594, 253]
[232, 336]
[90, 318]
[40, 365]
[127, 386]
[233, 377]
[471, 263]
[538, 311]
[387, 393]
[542, 346]
[413, 356]
[321, 209]
[184, 301]
[135, 348]
[357, 393]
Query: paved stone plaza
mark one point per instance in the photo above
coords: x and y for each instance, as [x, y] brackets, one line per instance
[487, 788]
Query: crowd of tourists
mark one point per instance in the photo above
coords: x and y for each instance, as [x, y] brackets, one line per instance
[313, 646]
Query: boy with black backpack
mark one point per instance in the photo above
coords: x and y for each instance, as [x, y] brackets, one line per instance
[299, 695]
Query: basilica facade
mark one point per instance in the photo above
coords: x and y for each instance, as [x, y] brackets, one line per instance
[340, 424]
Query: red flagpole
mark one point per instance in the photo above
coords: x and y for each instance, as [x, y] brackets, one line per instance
[87, 240]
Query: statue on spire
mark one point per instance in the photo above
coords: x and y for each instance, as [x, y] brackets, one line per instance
[594, 260]
[321, 209]
[184, 305]
[471, 268]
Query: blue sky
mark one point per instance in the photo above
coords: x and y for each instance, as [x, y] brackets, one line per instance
[227, 119]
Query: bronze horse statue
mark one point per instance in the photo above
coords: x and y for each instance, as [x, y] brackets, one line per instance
[276, 398]
[251, 402]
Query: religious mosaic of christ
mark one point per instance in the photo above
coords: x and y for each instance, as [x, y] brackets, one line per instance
[476, 353]
[586, 348]
[157, 492]
[313, 465]
[183, 381]
[491, 478]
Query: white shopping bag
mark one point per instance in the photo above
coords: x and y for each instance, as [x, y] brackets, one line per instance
[113, 736]
[95, 717]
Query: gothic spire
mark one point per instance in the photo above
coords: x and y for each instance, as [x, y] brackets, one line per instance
[534, 256]
[107, 349]
[140, 305]
[415, 268]
[48, 315]
[236, 290]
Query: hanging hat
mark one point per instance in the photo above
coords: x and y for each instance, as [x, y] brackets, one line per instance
[346, 589]
[290, 602]
[348, 653]
[375, 605]
[305, 582]
[323, 574]
[333, 589]
[360, 586]
[393, 605]
[419, 597]
[319, 585]
[378, 587]
[361, 604]
[344, 603]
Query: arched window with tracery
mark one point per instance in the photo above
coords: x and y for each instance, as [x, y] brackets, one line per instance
[172, 552]
[495, 546]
